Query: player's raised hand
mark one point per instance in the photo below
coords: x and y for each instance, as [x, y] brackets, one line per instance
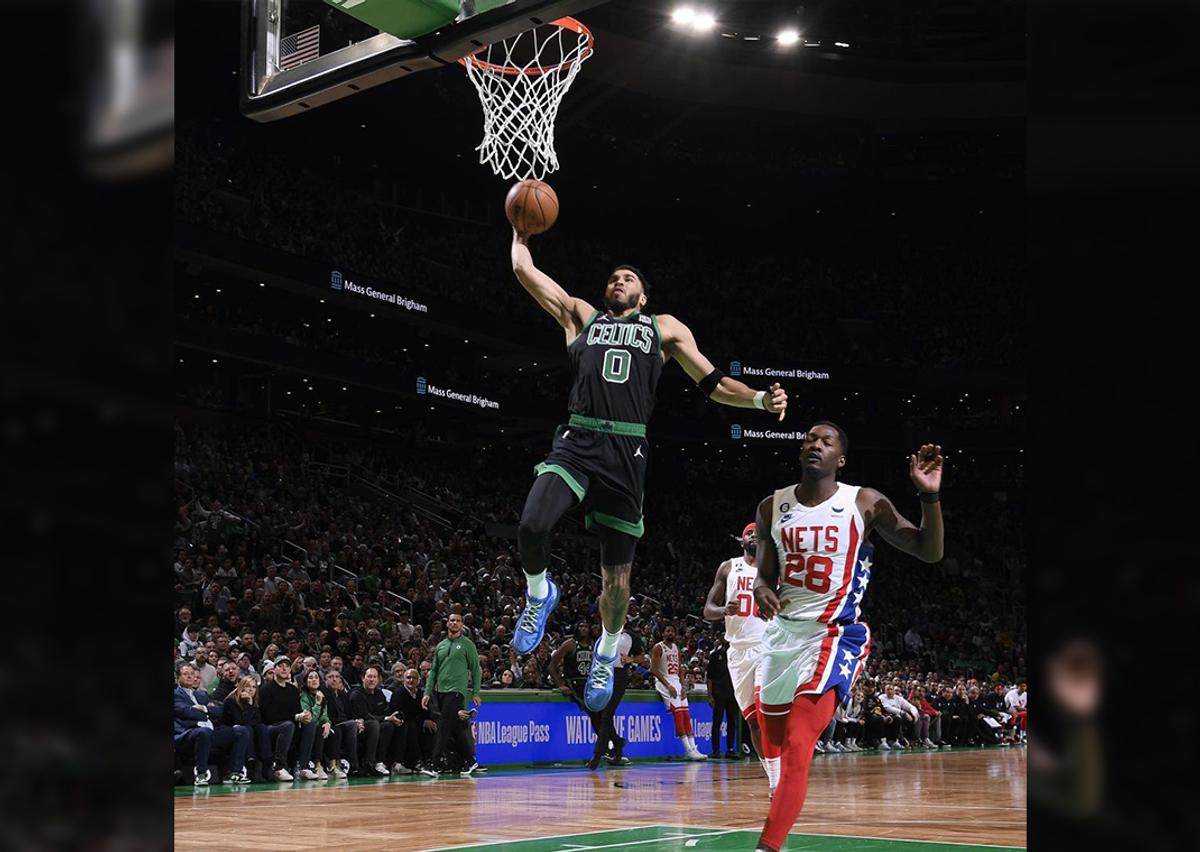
[925, 468]
[777, 401]
[767, 601]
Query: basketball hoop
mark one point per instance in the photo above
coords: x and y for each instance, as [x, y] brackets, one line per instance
[521, 81]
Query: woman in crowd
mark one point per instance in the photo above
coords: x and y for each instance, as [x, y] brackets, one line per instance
[312, 699]
[241, 708]
[852, 725]
[346, 728]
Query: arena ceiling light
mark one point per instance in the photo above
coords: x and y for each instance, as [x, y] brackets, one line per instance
[684, 15]
[788, 37]
[698, 20]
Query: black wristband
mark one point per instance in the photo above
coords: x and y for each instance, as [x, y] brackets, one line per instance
[929, 496]
[709, 383]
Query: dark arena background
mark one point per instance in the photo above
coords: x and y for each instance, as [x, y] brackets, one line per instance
[363, 389]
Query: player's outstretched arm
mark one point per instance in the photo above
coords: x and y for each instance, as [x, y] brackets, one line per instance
[680, 344]
[767, 579]
[926, 542]
[569, 312]
[715, 607]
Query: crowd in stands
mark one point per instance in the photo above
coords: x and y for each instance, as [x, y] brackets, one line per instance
[889, 711]
[300, 601]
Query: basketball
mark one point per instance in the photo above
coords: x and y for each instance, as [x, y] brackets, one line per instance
[531, 206]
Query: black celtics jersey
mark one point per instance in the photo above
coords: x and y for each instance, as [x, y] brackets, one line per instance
[577, 665]
[616, 364]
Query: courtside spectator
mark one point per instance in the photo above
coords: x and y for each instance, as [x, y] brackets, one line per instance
[346, 728]
[979, 732]
[881, 725]
[998, 717]
[196, 733]
[906, 715]
[241, 709]
[312, 700]
[929, 727]
[279, 702]
[853, 725]
[368, 703]
[415, 739]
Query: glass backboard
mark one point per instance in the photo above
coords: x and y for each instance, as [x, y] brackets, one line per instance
[301, 54]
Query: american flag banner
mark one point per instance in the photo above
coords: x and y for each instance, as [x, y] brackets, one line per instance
[300, 47]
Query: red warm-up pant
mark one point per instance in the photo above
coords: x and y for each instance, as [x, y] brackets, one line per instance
[683, 721]
[795, 734]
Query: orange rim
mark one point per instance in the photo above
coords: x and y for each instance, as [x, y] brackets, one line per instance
[562, 23]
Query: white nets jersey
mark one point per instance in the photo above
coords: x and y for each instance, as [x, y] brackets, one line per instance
[671, 664]
[745, 629]
[824, 563]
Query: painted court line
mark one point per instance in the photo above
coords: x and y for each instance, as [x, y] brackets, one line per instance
[693, 834]
[661, 838]
[486, 843]
[888, 839]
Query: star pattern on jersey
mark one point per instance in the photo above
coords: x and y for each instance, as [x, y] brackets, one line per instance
[860, 581]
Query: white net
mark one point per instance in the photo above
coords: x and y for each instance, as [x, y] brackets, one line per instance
[521, 81]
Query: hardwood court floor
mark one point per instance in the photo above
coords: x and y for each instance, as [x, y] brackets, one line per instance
[870, 802]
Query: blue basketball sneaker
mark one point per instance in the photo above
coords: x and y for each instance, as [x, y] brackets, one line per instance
[531, 626]
[599, 688]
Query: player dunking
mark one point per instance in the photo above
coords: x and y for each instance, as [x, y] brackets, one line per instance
[599, 456]
[814, 564]
[732, 598]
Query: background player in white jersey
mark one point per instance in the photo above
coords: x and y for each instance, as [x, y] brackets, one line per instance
[732, 598]
[813, 568]
[664, 666]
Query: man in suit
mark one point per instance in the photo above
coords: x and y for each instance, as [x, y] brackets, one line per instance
[416, 738]
[195, 730]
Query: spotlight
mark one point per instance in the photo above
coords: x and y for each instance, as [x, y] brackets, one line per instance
[703, 22]
[683, 15]
[787, 37]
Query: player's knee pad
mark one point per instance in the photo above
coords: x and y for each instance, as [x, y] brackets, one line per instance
[532, 538]
[548, 500]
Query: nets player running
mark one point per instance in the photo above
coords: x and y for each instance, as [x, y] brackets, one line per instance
[598, 457]
[732, 598]
[814, 564]
[664, 666]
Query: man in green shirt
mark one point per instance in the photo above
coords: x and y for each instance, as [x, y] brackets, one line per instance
[455, 679]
